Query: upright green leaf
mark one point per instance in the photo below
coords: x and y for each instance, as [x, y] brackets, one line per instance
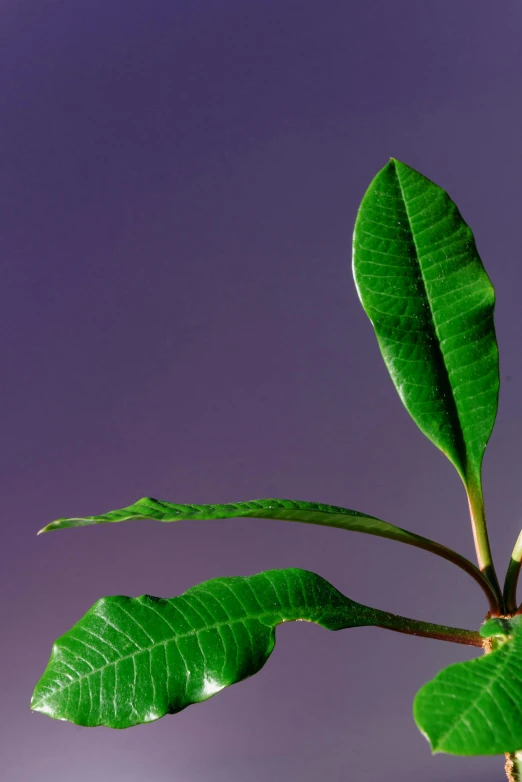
[475, 707]
[133, 660]
[287, 510]
[425, 290]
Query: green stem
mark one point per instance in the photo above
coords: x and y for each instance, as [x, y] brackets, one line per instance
[482, 547]
[401, 624]
[510, 584]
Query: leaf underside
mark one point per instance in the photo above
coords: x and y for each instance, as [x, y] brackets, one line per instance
[133, 660]
[475, 707]
[423, 286]
[287, 510]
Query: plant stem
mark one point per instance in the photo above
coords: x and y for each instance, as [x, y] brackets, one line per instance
[482, 547]
[510, 584]
[401, 624]
[513, 766]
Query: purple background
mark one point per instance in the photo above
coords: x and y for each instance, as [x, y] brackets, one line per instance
[179, 185]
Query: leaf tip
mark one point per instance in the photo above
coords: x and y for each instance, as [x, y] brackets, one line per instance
[434, 747]
[37, 702]
[42, 707]
[397, 164]
[49, 527]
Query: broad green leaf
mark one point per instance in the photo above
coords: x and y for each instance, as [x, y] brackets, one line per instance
[423, 286]
[475, 707]
[133, 660]
[287, 510]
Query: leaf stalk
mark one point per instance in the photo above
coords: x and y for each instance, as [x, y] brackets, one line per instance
[482, 546]
[401, 624]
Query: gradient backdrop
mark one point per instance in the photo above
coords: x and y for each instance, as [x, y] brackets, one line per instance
[179, 185]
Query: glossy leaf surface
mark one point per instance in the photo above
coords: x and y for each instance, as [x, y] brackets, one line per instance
[133, 660]
[422, 284]
[475, 707]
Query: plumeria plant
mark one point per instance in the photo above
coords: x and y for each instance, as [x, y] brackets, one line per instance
[421, 282]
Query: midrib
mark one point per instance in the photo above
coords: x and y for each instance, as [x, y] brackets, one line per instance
[438, 341]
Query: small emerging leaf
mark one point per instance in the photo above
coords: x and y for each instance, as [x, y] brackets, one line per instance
[475, 707]
[423, 286]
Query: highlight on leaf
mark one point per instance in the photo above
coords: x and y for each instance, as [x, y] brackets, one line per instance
[423, 286]
[133, 660]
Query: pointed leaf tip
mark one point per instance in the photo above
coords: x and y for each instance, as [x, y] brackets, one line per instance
[133, 660]
[276, 508]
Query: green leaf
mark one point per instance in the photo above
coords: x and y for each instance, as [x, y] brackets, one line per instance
[475, 707]
[133, 660]
[287, 510]
[423, 286]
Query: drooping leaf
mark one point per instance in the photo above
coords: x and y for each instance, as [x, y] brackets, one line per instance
[133, 660]
[287, 510]
[475, 707]
[423, 286]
